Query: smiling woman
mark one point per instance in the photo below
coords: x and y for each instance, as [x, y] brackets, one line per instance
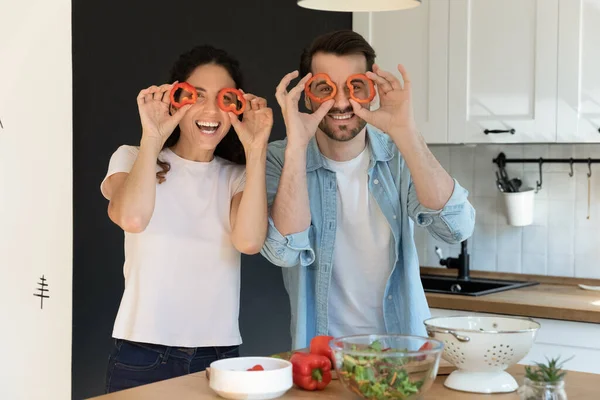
[197, 68]
[188, 209]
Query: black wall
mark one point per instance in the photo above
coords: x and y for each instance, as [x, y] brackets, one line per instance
[120, 48]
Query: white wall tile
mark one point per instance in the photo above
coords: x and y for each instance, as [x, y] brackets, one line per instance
[484, 238]
[581, 215]
[561, 241]
[534, 151]
[442, 154]
[509, 262]
[535, 239]
[509, 239]
[586, 150]
[484, 156]
[559, 151]
[483, 261]
[587, 266]
[484, 183]
[540, 211]
[487, 209]
[587, 241]
[561, 265]
[462, 165]
[534, 264]
[561, 213]
[560, 186]
[485, 169]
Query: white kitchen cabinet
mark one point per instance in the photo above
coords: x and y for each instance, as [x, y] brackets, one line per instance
[557, 338]
[418, 39]
[579, 71]
[503, 71]
[524, 70]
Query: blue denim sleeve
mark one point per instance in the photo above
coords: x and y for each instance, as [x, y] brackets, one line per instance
[289, 250]
[454, 223]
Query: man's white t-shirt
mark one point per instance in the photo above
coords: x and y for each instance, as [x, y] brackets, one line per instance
[182, 273]
[361, 265]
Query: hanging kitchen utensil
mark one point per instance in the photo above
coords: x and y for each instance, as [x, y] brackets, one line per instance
[499, 183]
[516, 184]
[589, 176]
[506, 182]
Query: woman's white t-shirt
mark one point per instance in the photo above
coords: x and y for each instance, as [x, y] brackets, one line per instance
[182, 273]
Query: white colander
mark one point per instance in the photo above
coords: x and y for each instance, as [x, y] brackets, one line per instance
[481, 348]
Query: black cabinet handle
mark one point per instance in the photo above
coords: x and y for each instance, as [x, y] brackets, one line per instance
[511, 131]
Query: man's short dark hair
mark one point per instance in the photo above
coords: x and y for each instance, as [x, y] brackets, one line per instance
[341, 43]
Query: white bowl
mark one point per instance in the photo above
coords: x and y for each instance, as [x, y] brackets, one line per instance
[230, 379]
[482, 348]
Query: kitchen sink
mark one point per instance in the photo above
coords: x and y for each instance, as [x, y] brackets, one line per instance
[470, 287]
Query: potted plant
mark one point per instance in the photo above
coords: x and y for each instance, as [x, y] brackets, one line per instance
[544, 381]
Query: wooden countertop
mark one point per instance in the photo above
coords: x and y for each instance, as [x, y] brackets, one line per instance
[554, 298]
[580, 386]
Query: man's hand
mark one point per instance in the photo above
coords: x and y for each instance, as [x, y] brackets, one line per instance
[301, 127]
[395, 113]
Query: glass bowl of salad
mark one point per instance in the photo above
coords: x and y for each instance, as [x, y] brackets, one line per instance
[378, 367]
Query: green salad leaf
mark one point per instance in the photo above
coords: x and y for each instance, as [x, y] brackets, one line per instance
[378, 377]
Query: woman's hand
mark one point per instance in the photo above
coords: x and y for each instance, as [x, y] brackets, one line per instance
[255, 128]
[157, 122]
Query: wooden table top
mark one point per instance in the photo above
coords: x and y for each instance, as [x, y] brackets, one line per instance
[579, 386]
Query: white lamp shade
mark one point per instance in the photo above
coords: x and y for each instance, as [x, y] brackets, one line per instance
[359, 5]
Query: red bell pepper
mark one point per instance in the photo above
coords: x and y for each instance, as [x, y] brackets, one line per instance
[231, 107]
[328, 81]
[257, 367]
[350, 86]
[186, 100]
[320, 345]
[426, 346]
[311, 371]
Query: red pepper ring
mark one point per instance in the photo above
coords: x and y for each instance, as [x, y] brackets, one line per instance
[351, 88]
[328, 81]
[231, 107]
[186, 86]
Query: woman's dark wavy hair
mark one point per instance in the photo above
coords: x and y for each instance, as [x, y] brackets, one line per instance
[230, 147]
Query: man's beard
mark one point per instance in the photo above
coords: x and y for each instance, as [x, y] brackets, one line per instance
[350, 133]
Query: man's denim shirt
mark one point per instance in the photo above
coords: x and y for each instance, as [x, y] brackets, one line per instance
[308, 256]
